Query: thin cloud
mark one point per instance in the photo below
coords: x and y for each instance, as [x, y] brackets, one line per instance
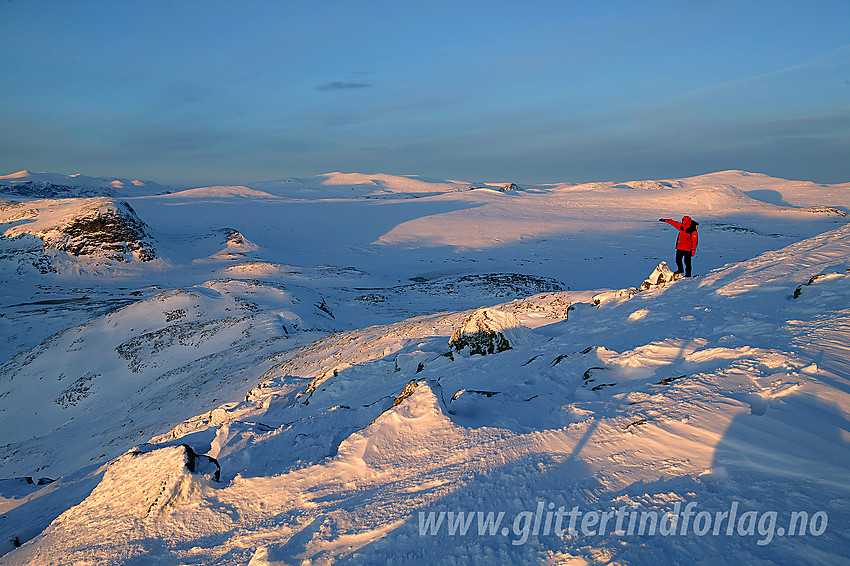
[343, 85]
[829, 59]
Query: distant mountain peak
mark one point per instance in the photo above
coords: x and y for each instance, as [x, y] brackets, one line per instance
[27, 184]
[20, 174]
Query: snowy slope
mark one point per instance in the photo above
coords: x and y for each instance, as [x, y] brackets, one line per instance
[388, 259]
[773, 190]
[714, 390]
[546, 232]
[299, 333]
[780, 191]
[185, 345]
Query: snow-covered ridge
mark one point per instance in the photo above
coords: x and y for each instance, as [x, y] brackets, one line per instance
[177, 345]
[758, 186]
[358, 185]
[55, 185]
[778, 191]
[220, 191]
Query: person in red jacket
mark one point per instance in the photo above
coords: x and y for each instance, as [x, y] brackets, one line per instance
[686, 244]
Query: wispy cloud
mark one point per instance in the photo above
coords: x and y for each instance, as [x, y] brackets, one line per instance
[343, 85]
[831, 59]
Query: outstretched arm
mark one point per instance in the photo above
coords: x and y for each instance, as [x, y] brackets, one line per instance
[671, 222]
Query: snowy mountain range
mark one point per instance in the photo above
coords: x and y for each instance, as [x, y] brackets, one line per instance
[53, 185]
[332, 369]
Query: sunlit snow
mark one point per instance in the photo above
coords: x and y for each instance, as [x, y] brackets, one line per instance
[316, 345]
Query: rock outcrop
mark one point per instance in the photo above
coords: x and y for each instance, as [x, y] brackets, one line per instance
[489, 331]
[660, 276]
[98, 228]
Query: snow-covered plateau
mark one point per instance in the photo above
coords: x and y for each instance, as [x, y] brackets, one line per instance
[379, 369]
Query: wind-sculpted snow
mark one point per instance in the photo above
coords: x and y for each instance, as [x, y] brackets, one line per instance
[340, 423]
[701, 397]
[187, 345]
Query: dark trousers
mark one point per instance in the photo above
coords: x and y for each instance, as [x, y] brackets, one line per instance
[683, 255]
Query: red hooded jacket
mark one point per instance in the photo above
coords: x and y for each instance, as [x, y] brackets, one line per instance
[687, 233]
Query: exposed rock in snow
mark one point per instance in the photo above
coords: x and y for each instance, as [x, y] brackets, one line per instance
[828, 210]
[600, 298]
[489, 331]
[237, 245]
[15, 487]
[659, 276]
[820, 277]
[406, 392]
[199, 464]
[648, 185]
[42, 189]
[465, 291]
[99, 228]
[137, 489]
[236, 239]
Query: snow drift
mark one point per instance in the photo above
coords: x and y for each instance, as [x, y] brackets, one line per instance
[340, 423]
[683, 392]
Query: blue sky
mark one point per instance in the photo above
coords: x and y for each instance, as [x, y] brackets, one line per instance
[194, 93]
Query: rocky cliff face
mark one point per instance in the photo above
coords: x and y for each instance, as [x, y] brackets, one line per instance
[96, 228]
